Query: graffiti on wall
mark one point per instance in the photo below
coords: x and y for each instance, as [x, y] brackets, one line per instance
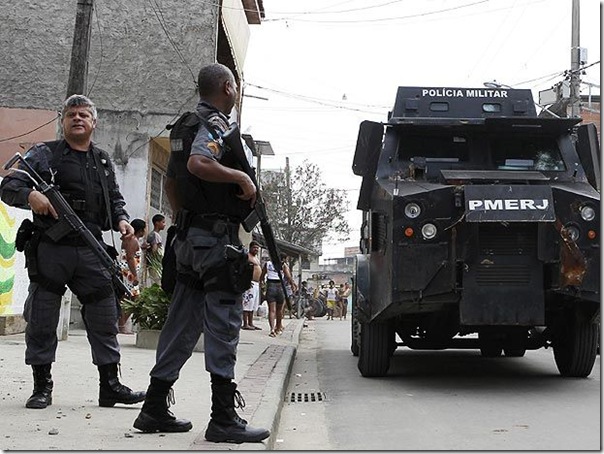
[7, 260]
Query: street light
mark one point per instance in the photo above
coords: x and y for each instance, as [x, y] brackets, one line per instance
[259, 148]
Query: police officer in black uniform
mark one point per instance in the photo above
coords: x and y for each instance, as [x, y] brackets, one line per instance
[86, 179]
[211, 198]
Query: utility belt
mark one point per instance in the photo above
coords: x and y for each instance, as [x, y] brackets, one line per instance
[236, 273]
[217, 224]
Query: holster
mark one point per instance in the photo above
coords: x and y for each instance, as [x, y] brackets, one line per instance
[24, 234]
[30, 248]
[240, 270]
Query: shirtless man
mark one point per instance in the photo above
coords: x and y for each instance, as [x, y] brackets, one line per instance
[251, 297]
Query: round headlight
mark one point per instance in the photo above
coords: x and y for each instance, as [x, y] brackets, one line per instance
[588, 213]
[429, 231]
[412, 210]
[573, 232]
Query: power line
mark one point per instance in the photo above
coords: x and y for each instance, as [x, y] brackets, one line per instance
[157, 11]
[325, 102]
[30, 131]
[98, 23]
[164, 128]
[383, 19]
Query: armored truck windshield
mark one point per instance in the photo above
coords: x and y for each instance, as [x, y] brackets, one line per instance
[426, 153]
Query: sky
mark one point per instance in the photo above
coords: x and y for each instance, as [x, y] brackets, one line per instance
[315, 69]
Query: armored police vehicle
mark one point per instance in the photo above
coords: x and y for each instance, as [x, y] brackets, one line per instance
[481, 229]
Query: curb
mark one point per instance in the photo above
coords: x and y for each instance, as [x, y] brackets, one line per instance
[264, 386]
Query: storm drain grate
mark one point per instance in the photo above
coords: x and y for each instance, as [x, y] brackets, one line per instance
[305, 397]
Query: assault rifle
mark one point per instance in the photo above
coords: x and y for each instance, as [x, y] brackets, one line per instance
[69, 221]
[232, 138]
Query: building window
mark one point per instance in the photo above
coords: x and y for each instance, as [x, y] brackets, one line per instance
[157, 198]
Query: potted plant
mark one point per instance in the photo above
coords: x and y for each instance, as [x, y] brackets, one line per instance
[149, 311]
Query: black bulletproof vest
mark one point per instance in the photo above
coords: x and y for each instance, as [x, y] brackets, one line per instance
[199, 196]
[78, 180]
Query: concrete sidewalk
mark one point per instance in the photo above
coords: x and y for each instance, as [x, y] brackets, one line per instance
[75, 421]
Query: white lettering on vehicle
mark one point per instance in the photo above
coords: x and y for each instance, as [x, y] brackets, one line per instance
[468, 93]
[507, 204]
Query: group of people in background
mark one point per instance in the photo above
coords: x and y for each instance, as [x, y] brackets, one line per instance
[140, 261]
[267, 287]
[272, 293]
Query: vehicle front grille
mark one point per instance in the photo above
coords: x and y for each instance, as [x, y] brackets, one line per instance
[506, 254]
[515, 239]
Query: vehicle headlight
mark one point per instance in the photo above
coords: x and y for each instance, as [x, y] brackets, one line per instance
[412, 210]
[429, 231]
[587, 213]
[573, 232]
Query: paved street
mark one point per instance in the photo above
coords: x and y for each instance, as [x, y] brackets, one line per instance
[435, 400]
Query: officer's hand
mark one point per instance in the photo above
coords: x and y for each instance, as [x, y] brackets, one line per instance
[248, 189]
[40, 204]
[125, 229]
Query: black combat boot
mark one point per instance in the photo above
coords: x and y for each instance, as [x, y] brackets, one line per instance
[42, 395]
[112, 392]
[155, 416]
[225, 424]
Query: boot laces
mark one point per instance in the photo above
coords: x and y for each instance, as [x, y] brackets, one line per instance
[170, 400]
[239, 401]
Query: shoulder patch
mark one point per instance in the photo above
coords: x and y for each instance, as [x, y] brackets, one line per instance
[214, 147]
[218, 122]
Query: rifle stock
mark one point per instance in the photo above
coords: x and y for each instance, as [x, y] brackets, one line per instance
[232, 138]
[69, 220]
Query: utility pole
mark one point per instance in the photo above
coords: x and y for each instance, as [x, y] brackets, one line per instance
[78, 71]
[289, 195]
[575, 50]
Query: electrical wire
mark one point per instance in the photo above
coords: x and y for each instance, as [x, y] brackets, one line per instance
[157, 11]
[383, 19]
[30, 131]
[164, 128]
[325, 102]
[98, 23]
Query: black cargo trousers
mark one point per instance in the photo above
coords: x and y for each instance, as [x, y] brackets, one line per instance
[205, 307]
[80, 269]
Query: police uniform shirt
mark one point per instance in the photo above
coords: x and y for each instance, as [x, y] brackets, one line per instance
[207, 142]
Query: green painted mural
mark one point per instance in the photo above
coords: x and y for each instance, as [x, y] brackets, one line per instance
[7, 259]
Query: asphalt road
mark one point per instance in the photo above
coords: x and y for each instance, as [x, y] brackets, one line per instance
[434, 400]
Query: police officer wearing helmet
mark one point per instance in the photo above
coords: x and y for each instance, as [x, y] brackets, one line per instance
[85, 177]
[211, 198]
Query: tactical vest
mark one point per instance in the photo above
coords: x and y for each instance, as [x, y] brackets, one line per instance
[196, 195]
[79, 181]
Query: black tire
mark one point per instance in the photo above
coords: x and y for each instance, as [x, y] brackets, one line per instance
[514, 352]
[490, 351]
[375, 348]
[575, 347]
[355, 332]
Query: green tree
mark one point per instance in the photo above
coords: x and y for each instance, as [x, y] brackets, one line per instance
[302, 209]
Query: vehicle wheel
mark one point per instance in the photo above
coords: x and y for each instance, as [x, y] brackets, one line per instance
[375, 348]
[489, 347]
[355, 332]
[575, 347]
[491, 351]
[355, 328]
[514, 352]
